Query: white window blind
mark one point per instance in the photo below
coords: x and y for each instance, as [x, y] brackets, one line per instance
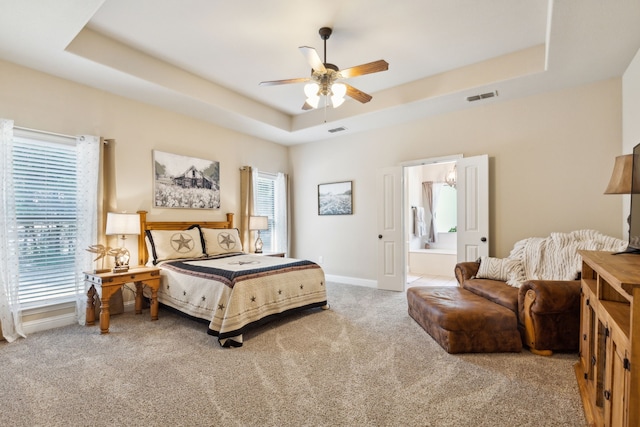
[265, 206]
[45, 189]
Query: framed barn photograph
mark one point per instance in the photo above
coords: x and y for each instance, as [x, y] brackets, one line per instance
[185, 182]
[335, 198]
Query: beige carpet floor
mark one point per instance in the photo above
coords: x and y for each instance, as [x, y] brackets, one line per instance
[365, 362]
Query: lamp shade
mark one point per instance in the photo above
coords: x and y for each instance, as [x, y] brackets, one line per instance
[122, 223]
[338, 91]
[620, 182]
[258, 223]
[311, 90]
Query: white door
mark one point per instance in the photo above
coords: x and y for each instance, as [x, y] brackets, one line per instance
[391, 271]
[473, 207]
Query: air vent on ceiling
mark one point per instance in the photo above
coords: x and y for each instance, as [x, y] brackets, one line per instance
[482, 96]
[338, 129]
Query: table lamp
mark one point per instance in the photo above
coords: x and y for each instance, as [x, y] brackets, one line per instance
[122, 224]
[258, 223]
[620, 182]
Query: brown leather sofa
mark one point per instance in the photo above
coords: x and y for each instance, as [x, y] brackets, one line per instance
[548, 311]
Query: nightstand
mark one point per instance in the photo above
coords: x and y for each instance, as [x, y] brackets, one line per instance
[106, 284]
[274, 254]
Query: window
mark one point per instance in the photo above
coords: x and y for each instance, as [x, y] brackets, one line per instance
[446, 208]
[270, 201]
[264, 206]
[45, 185]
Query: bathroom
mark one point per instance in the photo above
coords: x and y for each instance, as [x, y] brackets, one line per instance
[432, 200]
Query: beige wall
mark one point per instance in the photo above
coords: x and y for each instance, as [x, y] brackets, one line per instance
[631, 105]
[550, 160]
[630, 122]
[39, 101]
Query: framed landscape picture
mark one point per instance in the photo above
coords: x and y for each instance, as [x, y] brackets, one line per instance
[185, 182]
[335, 198]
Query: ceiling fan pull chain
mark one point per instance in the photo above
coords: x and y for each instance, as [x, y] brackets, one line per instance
[326, 101]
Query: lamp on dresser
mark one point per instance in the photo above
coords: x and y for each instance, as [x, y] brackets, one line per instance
[258, 223]
[620, 182]
[621, 179]
[122, 224]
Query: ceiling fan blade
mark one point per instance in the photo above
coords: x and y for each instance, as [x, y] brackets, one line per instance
[306, 106]
[284, 82]
[357, 94]
[313, 59]
[359, 70]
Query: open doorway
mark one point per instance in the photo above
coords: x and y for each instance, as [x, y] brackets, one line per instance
[395, 221]
[430, 220]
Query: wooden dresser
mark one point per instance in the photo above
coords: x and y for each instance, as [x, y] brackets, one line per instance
[608, 371]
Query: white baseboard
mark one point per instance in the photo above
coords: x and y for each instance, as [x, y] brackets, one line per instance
[352, 281]
[45, 323]
[50, 322]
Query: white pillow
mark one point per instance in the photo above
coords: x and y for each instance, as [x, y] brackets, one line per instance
[221, 240]
[175, 244]
[495, 268]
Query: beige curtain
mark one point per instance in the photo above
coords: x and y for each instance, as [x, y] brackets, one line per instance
[284, 242]
[246, 207]
[107, 202]
[106, 195]
[429, 200]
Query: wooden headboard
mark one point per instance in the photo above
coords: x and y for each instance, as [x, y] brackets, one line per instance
[143, 255]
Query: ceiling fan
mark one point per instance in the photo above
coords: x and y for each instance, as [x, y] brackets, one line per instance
[324, 77]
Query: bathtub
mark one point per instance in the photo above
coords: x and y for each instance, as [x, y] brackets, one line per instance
[432, 262]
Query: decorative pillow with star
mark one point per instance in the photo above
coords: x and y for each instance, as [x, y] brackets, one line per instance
[174, 244]
[221, 240]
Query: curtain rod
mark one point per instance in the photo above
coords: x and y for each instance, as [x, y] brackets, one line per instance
[105, 141]
[44, 131]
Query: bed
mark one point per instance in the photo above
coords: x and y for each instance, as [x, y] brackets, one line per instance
[205, 274]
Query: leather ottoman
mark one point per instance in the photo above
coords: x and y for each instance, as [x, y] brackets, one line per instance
[463, 322]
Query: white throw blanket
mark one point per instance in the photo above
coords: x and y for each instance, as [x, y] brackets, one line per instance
[556, 257]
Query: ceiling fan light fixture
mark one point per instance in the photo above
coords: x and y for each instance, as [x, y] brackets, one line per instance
[338, 91]
[313, 101]
[336, 102]
[324, 74]
[312, 90]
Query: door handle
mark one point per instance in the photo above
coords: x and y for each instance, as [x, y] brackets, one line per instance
[379, 236]
[483, 239]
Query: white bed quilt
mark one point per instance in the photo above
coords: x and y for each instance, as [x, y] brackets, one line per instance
[238, 291]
